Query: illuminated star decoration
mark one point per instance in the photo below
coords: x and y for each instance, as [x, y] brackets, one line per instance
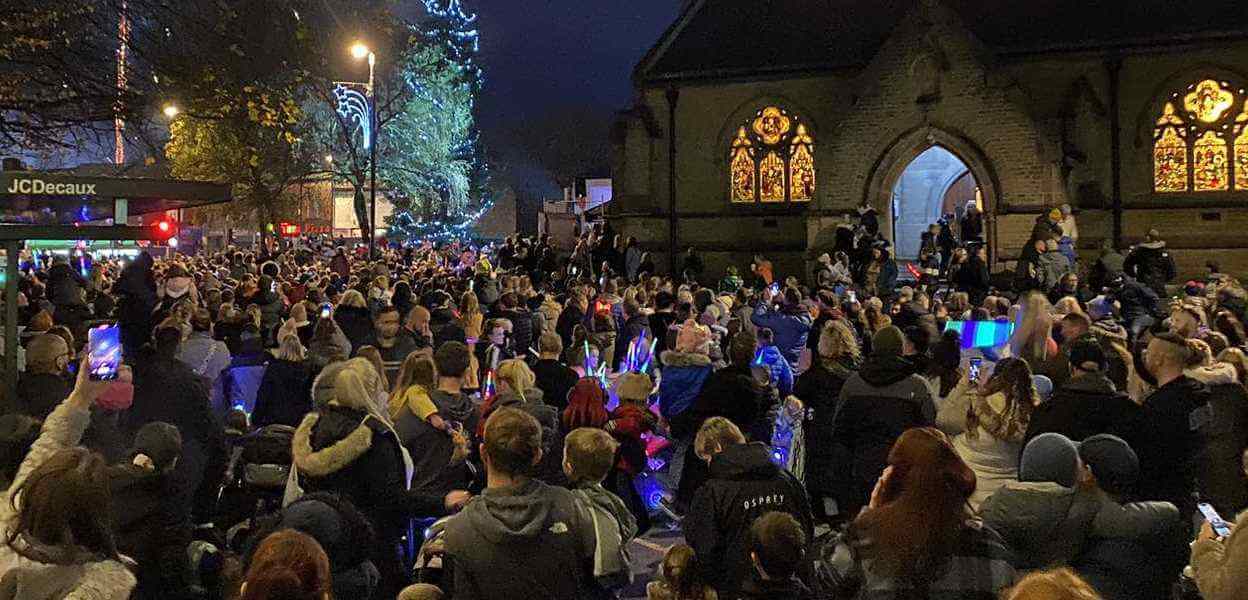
[353, 106]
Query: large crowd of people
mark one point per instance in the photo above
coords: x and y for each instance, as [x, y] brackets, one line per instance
[298, 420]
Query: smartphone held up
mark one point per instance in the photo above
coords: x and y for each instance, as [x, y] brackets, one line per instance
[104, 353]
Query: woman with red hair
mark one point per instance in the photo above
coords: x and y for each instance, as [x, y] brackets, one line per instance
[916, 537]
[288, 564]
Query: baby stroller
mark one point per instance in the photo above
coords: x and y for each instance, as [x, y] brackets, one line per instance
[255, 480]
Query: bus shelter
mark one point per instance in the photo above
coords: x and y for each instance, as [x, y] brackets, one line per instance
[58, 206]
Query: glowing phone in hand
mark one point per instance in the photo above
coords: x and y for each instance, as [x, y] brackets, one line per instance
[972, 373]
[1219, 525]
[104, 353]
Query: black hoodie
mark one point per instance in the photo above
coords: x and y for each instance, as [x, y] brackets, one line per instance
[1176, 417]
[744, 485]
[1087, 405]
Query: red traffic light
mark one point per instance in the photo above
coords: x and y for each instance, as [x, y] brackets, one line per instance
[288, 229]
[163, 229]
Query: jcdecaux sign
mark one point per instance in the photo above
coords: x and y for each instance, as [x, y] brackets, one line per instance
[40, 187]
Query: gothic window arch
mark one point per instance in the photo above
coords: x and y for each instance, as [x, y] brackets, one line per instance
[771, 159]
[1200, 140]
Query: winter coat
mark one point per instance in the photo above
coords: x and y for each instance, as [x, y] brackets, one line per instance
[568, 320]
[39, 393]
[550, 469]
[136, 290]
[555, 380]
[819, 389]
[343, 532]
[778, 369]
[340, 265]
[757, 588]
[683, 374]
[153, 526]
[1107, 267]
[981, 566]
[285, 394]
[1136, 551]
[1176, 417]
[789, 326]
[1220, 473]
[1221, 566]
[74, 576]
[877, 404]
[1046, 525]
[1113, 336]
[431, 448]
[632, 262]
[65, 285]
[1088, 405]
[990, 451]
[1152, 264]
[356, 323]
[974, 279]
[490, 546]
[744, 484]
[522, 337]
[487, 290]
[632, 329]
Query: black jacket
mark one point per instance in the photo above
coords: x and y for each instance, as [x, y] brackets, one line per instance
[1175, 419]
[285, 394]
[356, 323]
[1085, 406]
[152, 524]
[819, 388]
[555, 380]
[431, 448]
[1221, 474]
[521, 329]
[632, 328]
[65, 285]
[1152, 264]
[974, 279]
[744, 485]
[445, 327]
[39, 393]
[1137, 300]
[569, 318]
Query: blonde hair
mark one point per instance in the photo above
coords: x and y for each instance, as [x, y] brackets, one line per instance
[373, 355]
[517, 376]
[1035, 328]
[352, 298]
[290, 348]
[1068, 305]
[716, 431]
[1057, 584]
[589, 453]
[418, 370]
[1236, 358]
[837, 340]
[469, 304]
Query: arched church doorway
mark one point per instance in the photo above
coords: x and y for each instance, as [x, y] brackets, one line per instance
[934, 184]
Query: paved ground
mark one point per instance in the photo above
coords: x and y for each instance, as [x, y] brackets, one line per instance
[647, 553]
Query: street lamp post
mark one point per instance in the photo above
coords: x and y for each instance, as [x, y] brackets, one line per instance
[359, 50]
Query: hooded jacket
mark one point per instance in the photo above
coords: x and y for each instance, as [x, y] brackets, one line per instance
[819, 389]
[1136, 552]
[1113, 336]
[992, 450]
[1152, 264]
[1087, 405]
[877, 404]
[682, 377]
[491, 545]
[614, 527]
[550, 469]
[65, 285]
[778, 369]
[1220, 473]
[153, 526]
[285, 394]
[1046, 525]
[744, 484]
[431, 448]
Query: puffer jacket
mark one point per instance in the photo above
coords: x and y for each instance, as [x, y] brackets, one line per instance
[877, 404]
[1176, 417]
[1046, 525]
[1152, 264]
[683, 374]
[744, 484]
[778, 369]
[1220, 474]
[65, 285]
[1085, 406]
[790, 326]
[550, 469]
[1136, 552]
[153, 528]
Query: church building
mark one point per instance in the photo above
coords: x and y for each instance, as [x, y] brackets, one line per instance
[758, 126]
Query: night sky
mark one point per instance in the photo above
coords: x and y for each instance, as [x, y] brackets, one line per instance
[556, 71]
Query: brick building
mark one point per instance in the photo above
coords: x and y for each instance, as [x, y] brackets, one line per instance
[759, 125]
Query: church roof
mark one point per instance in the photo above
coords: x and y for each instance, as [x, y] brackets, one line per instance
[725, 38]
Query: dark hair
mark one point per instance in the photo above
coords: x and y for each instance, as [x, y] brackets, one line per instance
[765, 336]
[64, 502]
[590, 454]
[1078, 319]
[166, 340]
[452, 359]
[288, 565]
[19, 434]
[513, 441]
[778, 543]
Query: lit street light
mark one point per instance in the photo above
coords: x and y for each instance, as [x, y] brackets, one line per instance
[171, 111]
[360, 51]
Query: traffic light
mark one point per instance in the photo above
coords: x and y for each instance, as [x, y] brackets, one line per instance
[163, 229]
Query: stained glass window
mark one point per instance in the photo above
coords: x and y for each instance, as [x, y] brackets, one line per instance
[1170, 162]
[1209, 166]
[771, 178]
[1199, 146]
[742, 168]
[801, 167]
[1241, 150]
[1208, 100]
[772, 159]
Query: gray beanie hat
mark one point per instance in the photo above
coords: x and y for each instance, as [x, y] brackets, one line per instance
[1112, 461]
[1050, 457]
